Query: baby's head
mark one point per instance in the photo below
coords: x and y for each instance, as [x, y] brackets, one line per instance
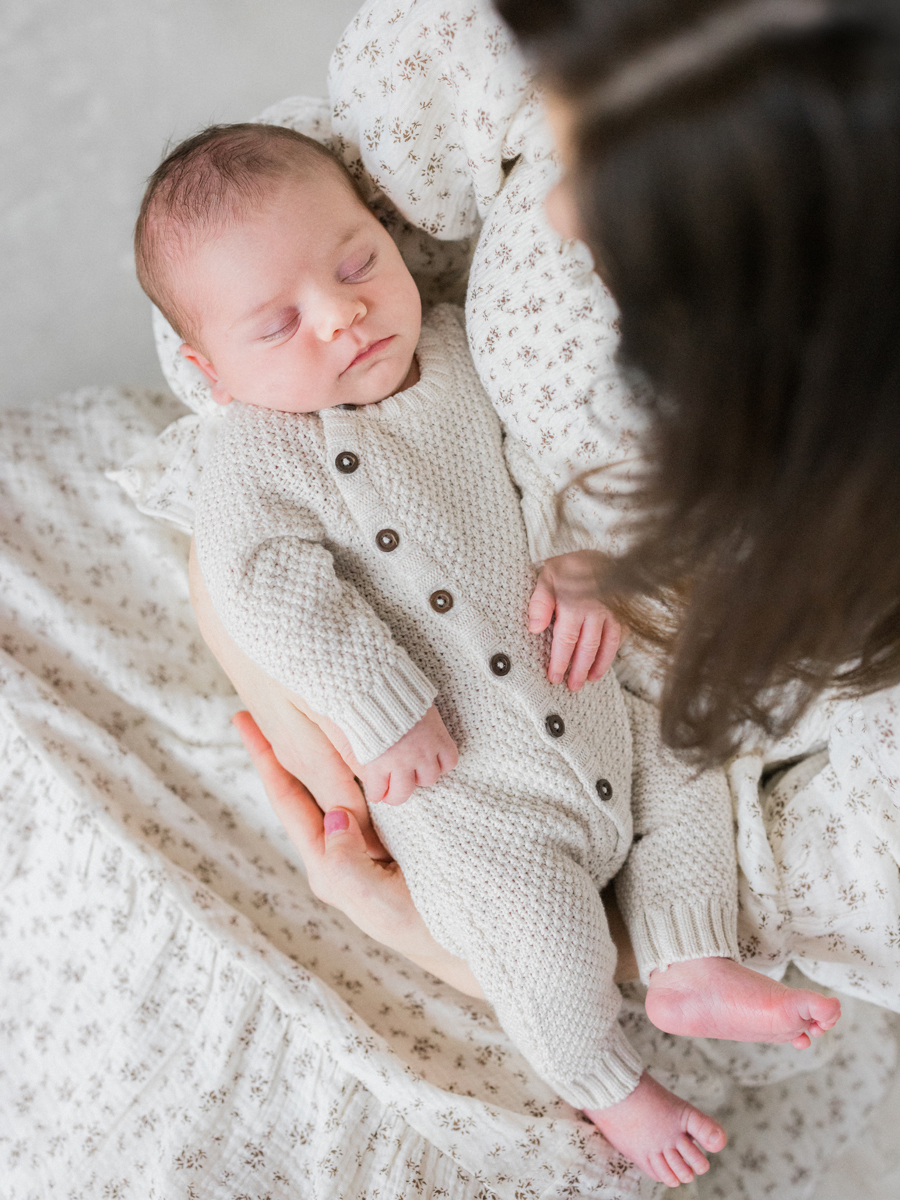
[288, 292]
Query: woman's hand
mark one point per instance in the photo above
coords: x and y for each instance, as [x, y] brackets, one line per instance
[373, 894]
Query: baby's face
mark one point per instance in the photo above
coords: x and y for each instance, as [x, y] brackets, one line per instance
[303, 304]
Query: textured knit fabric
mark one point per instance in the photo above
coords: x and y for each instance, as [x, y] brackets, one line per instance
[505, 856]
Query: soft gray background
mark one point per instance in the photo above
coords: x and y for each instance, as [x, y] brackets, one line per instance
[91, 93]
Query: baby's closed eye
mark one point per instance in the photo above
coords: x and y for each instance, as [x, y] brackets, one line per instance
[356, 273]
[284, 329]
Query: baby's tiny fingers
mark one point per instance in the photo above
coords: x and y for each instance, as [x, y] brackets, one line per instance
[541, 606]
[610, 641]
[375, 783]
[448, 759]
[428, 772]
[585, 654]
[566, 632]
[401, 785]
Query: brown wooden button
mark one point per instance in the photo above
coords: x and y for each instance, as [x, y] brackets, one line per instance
[441, 601]
[347, 462]
[604, 789]
[556, 726]
[500, 664]
[387, 540]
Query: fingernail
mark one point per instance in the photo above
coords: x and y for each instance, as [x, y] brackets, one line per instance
[336, 821]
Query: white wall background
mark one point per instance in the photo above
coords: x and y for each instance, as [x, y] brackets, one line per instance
[91, 94]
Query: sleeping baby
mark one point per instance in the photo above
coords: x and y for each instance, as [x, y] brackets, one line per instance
[364, 530]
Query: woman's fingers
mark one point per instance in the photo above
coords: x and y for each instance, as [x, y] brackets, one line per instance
[373, 895]
[566, 633]
[328, 781]
[293, 802]
[341, 872]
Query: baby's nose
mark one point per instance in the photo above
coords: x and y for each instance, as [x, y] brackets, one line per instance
[338, 314]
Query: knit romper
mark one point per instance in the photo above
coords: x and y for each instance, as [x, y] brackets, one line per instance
[375, 561]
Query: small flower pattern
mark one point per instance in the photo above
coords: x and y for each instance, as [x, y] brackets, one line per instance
[179, 1016]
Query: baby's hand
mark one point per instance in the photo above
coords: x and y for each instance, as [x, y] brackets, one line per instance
[586, 635]
[419, 759]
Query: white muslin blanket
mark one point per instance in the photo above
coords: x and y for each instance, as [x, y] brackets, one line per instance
[179, 1016]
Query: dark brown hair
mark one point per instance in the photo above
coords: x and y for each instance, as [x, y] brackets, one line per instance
[207, 181]
[743, 206]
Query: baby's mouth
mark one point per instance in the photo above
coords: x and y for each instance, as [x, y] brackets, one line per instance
[370, 350]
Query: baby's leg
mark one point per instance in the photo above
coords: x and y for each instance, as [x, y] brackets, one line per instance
[499, 883]
[719, 998]
[678, 891]
[662, 1134]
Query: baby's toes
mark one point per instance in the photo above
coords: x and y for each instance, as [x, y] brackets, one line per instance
[802, 1042]
[677, 1165]
[705, 1130]
[659, 1169]
[692, 1154]
[826, 1011]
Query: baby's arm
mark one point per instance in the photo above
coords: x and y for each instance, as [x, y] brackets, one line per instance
[273, 584]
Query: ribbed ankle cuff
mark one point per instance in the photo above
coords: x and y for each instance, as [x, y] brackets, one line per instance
[615, 1075]
[683, 931]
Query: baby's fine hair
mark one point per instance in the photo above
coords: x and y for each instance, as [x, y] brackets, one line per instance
[210, 180]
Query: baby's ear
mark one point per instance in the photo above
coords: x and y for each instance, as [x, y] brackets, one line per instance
[217, 390]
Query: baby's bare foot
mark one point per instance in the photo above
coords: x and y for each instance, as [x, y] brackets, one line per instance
[660, 1133]
[718, 998]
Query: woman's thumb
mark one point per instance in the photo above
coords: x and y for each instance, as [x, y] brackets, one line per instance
[342, 831]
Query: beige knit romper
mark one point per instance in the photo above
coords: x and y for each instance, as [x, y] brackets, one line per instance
[376, 560]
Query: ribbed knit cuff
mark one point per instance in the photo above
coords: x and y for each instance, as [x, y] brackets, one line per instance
[683, 931]
[397, 700]
[614, 1077]
[547, 536]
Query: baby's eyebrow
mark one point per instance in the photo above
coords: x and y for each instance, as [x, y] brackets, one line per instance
[246, 318]
[349, 235]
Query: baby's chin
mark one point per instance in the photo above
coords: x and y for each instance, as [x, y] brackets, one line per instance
[408, 379]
